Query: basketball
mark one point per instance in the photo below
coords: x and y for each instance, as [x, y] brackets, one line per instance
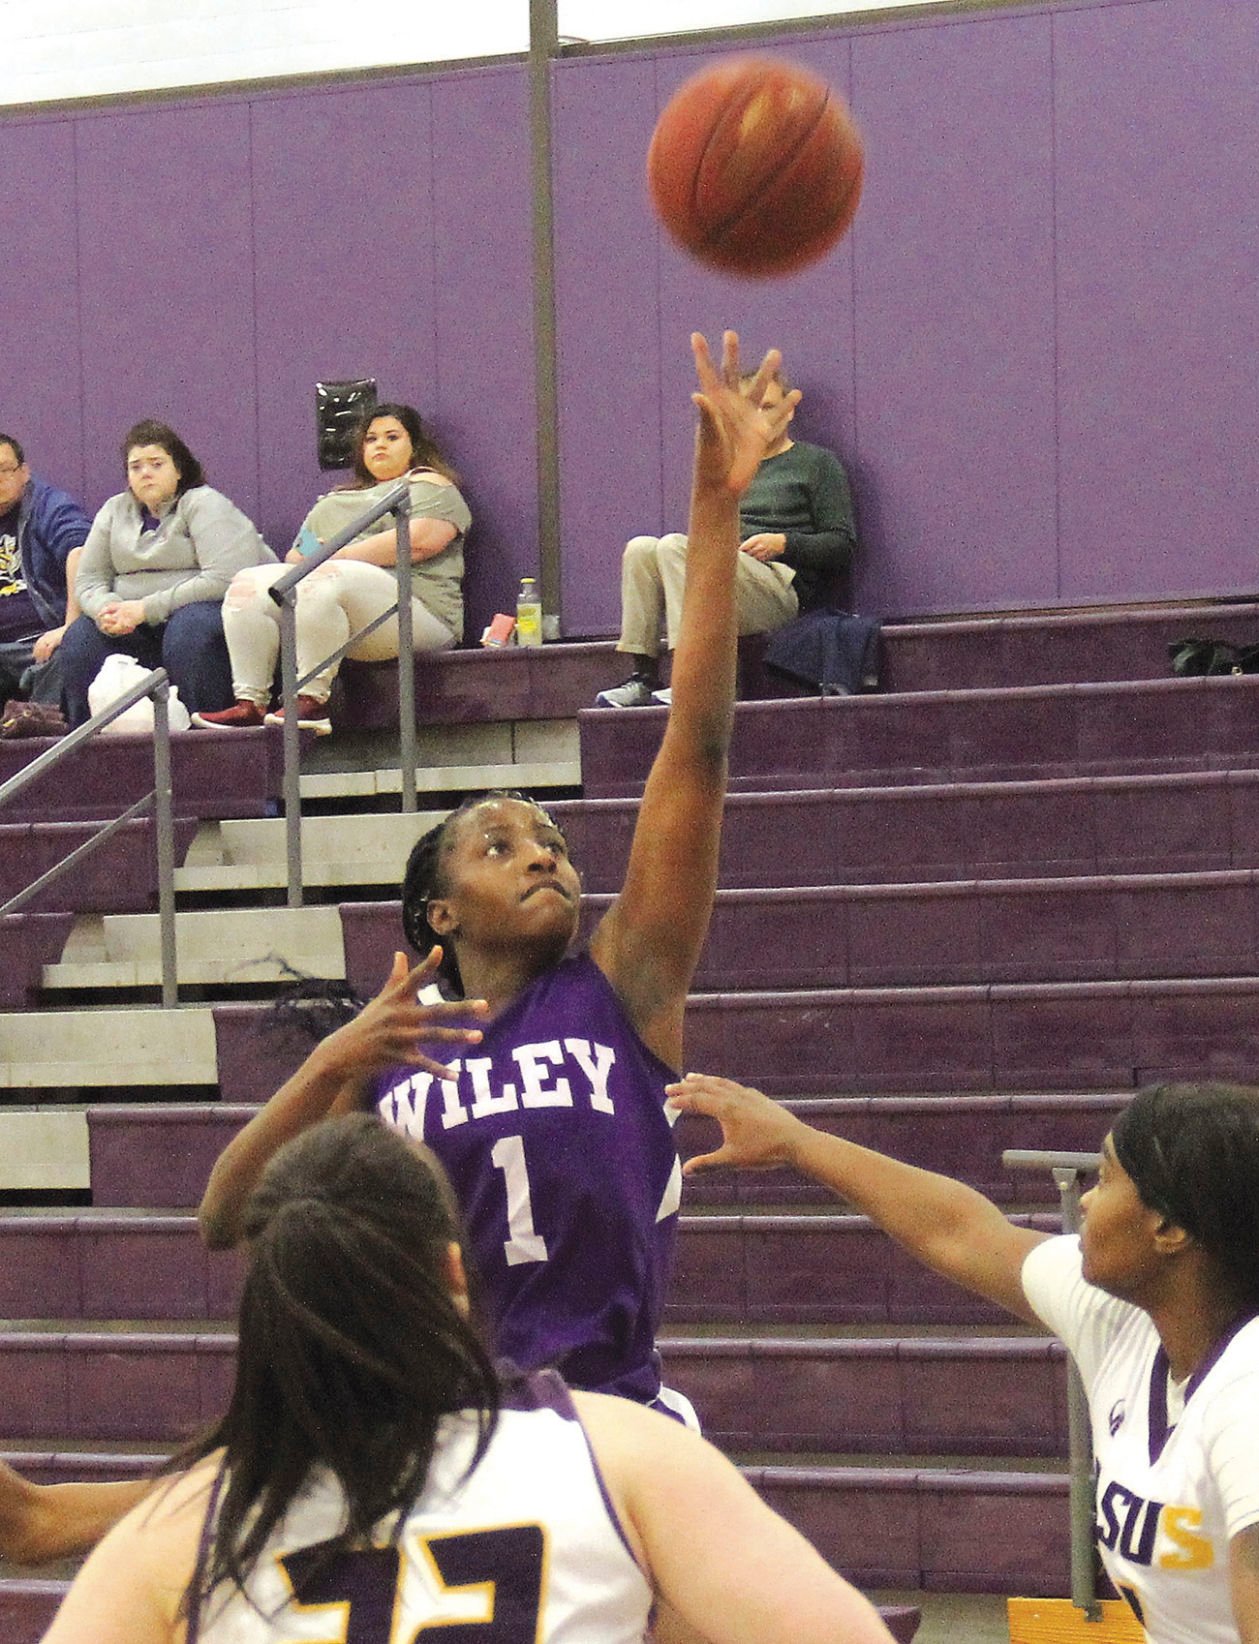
[755, 166]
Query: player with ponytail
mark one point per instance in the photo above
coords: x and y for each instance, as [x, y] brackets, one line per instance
[373, 1479]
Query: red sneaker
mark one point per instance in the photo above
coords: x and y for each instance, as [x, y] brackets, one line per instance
[242, 716]
[312, 715]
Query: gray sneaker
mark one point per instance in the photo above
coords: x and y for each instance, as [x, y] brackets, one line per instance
[635, 693]
[664, 698]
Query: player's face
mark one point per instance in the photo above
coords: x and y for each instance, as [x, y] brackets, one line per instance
[13, 477]
[508, 879]
[1117, 1239]
[386, 449]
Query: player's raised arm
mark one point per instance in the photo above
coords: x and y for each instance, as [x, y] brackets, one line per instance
[334, 1079]
[944, 1223]
[649, 942]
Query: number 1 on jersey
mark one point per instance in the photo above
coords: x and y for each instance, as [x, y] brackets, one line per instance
[525, 1244]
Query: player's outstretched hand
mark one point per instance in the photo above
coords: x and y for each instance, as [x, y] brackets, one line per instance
[734, 431]
[395, 1027]
[756, 1132]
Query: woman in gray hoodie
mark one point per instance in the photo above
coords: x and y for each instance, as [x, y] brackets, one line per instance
[154, 570]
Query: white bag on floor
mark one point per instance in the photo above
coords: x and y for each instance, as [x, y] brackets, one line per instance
[117, 675]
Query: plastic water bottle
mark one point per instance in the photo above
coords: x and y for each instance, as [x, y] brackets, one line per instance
[528, 613]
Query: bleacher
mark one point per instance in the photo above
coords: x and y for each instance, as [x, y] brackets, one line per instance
[958, 916]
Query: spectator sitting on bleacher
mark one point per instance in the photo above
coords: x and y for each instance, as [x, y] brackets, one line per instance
[359, 583]
[798, 534]
[41, 532]
[155, 567]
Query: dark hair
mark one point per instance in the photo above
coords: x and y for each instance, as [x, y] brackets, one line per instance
[351, 1348]
[7, 439]
[424, 878]
[425, 452]
[150, 432]
[1192, 1151]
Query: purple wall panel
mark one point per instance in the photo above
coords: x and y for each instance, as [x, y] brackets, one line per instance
[40, 384]
[807, 315]
[607, 304]
[344, 285]
[166, 259]
[1158, 149]
[485, 404]
[954, 315]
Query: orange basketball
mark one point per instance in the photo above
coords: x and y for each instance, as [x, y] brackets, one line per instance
[755, 166]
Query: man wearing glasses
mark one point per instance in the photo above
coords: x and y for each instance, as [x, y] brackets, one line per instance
[41, 529]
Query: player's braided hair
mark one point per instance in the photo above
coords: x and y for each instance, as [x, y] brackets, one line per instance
[424, 879]
[351, 1345]
[1192, 1151]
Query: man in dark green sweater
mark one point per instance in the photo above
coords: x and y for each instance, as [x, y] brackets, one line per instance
[796, 522]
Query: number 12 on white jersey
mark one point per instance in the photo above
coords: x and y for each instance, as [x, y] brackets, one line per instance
[525, 1243]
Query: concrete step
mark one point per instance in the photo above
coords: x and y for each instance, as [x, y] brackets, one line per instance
[1045, 648]
[370, 848]
[929, 1528]
[451, 756]
[220, 948]
[767, 1269]
[1019, 733]
[875, 1395]
[829, 1042]
[161, 1155]
[1099, 928]
[28, 1605]
[1198, 821]
[213, 773]
[108, 1049]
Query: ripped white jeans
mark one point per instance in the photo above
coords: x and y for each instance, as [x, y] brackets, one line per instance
[332, 603]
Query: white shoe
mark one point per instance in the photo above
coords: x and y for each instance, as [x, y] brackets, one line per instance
[635, 693]
[664, 698]
[312, 715]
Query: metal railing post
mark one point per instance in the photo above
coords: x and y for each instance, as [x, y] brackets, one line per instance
[292, 747]
[284, 592]
[164, 842]
[406, 657]
[1079, 1439]
[1067, 1169]
[160, 797]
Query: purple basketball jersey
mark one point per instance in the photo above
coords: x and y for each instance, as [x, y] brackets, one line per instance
[556, 1139]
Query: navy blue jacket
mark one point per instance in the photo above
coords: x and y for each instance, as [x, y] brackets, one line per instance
[50, 524]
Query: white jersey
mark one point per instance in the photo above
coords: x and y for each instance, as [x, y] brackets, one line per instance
[525, 1551]
[1173, 1487]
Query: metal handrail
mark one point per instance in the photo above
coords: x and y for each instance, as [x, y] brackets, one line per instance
[1068, 1169]
[157, 685]
[284, 592]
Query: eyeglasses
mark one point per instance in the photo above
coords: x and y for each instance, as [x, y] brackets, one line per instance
[8, 469]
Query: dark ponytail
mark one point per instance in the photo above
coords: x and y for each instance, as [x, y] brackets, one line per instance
[351, 1346]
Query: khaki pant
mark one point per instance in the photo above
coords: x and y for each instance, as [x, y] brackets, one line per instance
[653, 570]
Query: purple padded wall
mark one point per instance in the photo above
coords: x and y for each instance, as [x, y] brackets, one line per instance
[40, 378]
[204, 261]
[484, 323]
[954, 315]
[1032, 350]
[166, 288]
[609, 368]
[1157, 153]
[334, 301]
